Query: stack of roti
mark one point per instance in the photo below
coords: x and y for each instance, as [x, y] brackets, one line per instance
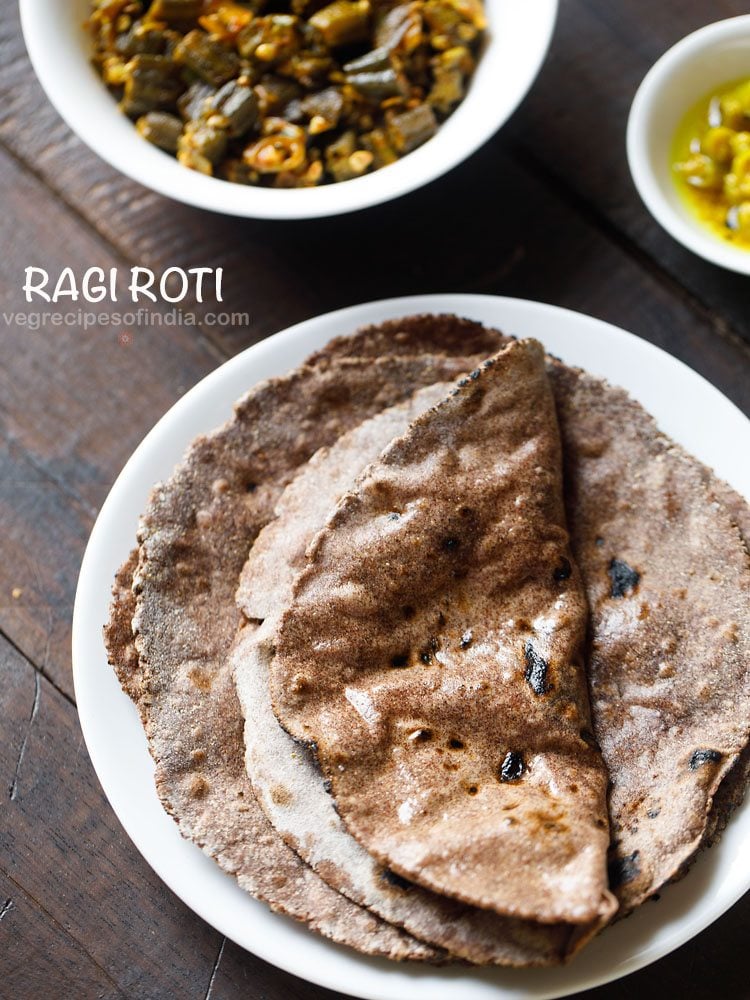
[442, 647]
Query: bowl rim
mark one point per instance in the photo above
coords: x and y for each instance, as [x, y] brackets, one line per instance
[159, 172]
[691, 235]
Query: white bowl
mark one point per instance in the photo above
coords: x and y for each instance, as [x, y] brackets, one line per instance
[518, 38]
[707, 59]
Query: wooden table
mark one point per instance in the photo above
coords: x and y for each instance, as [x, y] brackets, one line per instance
[546, 211]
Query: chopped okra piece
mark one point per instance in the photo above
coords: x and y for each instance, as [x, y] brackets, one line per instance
[275, 93]
[450, 70]
[411, 128]
[323, 109]
[192, 102]
[201, 144]
[209, 59]
[344, 161]
[400, 28]
[236, 107]
[142, 39]
[161, 129]
[270, 39]
[377, 143]
[150, 85]
[343, 22]
[378, 86]
[370, 62]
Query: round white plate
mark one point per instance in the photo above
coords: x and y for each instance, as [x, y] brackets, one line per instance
[685, 405]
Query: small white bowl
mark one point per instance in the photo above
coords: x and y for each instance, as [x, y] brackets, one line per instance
[709, 58]
[518, 38]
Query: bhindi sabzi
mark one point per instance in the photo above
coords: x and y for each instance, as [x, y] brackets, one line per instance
[287, 93]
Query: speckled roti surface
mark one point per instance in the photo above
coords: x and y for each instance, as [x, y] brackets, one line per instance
[445, 690]
[287, 782]
[668, 583]
[278, 553]
[253, 851]
[194, 539]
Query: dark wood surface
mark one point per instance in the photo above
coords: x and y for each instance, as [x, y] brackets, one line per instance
[546, 210]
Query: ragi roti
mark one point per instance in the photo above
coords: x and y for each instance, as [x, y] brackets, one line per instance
[194, 540]
[263, 865]
[286, 781]
[432, 655]
[668, 583]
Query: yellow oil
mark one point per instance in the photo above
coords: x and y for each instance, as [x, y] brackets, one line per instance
[709, 207]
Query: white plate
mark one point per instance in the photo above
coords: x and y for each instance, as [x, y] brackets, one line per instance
[685, 405]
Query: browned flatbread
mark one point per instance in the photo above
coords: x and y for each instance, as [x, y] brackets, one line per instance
[194, 540]
[119, 638]
[286, 781]
[218, 826]
[433, 655]
[668, 582]
[425, 333]
[252, 850]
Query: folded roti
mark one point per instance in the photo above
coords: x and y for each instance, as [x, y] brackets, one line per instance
[194, 540]
[432, 655]
[286, 781]
[668, 582]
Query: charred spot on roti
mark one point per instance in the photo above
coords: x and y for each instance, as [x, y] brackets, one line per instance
[536, 670]
[563, 571]
[455, 744]
[512, 767]
[395, 880]
[624, 579]
[623, 870]
[450, 544]
[427, 654]
[400, 660]
[700, 757]
[420, 736]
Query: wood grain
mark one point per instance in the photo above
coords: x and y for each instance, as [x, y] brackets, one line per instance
[66, 860]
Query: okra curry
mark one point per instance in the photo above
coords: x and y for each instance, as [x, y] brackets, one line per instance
[287, 93]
